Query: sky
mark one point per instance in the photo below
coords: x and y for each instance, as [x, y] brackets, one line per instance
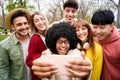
[43, 4]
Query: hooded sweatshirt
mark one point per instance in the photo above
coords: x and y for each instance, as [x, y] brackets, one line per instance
[111, 62]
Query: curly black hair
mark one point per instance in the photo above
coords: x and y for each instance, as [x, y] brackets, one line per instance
[58, 30]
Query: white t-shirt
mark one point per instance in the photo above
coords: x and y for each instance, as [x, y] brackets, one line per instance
[25, 53]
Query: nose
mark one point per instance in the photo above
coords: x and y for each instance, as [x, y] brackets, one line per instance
[70, 13]
[23, 26]
[63, 44]
[80, 31]
[40, 21]
[97, 30]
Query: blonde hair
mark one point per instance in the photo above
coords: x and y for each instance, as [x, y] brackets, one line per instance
[33, 29]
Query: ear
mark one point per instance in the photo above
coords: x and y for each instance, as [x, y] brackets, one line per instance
[12, 26]
[112, 26]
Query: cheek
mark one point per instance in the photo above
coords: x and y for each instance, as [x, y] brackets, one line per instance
[93, 30]
[77, 33]
[57, 47]
[35, 23]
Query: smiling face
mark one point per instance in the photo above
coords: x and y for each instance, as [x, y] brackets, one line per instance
[40, 23]
[21, 27]
[69, 14]
[82, 33]
[102, 31]
[62, 46]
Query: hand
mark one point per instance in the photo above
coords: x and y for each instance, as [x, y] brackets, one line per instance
[80, 68]
[46, 52]
[43, 69]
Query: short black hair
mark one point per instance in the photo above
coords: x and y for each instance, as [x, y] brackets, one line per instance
[58, 30]
[19, 13]
[71, 3]
[102, 17]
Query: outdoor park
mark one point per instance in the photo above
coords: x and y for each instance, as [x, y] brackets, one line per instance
[53, 10]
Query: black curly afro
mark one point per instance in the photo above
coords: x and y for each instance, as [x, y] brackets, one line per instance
[58, 30]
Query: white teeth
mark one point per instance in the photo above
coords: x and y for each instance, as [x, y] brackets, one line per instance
[99, 36]
[62, 48]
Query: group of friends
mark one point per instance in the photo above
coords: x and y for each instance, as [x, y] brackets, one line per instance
[97, 43]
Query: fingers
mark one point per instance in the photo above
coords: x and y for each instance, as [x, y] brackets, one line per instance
[83, 54]
[39, 62]
[82, 62]
[46, 52]
[45, 74]
[80, 68]
[43, 69]
[74, 73]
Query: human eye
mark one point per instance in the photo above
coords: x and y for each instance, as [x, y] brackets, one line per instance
[95, 27]
[59, 42]
[66, 42]
[42, 18]
[25, 23]
[36, 20]
[84, 28]
[67, 10]
[19, 24]
[73, 11]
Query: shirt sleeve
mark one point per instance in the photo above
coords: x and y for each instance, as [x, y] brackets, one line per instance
[4, 64]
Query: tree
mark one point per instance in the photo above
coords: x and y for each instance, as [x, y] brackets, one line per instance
[118, 12]
[3, 17]
[18, 4]
[55, 10]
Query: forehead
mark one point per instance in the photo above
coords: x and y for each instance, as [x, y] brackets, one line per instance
[103, 27]
[62, 38]
[80, 25]
[70, 8]
[20, 19]
[38, 16]
[100, 25]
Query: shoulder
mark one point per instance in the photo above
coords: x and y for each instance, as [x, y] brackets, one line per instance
[98, 49]
[8, 42]
[97, 45]
[35, 37]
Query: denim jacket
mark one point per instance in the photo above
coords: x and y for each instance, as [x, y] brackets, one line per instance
[12, 65]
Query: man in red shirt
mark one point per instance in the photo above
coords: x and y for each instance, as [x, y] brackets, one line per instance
[108, 36]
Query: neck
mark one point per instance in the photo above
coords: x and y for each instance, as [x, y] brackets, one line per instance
[22, 39]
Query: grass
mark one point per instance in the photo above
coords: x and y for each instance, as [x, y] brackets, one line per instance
[3, 37]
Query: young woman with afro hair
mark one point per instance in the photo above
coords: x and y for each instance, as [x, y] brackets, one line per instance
[61, 39]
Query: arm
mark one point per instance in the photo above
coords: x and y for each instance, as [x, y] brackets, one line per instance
[36, 47]
[4, 64]
[97, 63]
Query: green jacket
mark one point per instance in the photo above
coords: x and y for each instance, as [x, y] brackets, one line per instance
[12, 65]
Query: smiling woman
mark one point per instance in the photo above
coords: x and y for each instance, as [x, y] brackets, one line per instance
[38, 27]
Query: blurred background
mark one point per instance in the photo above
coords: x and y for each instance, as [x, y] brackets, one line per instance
[53, 9]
